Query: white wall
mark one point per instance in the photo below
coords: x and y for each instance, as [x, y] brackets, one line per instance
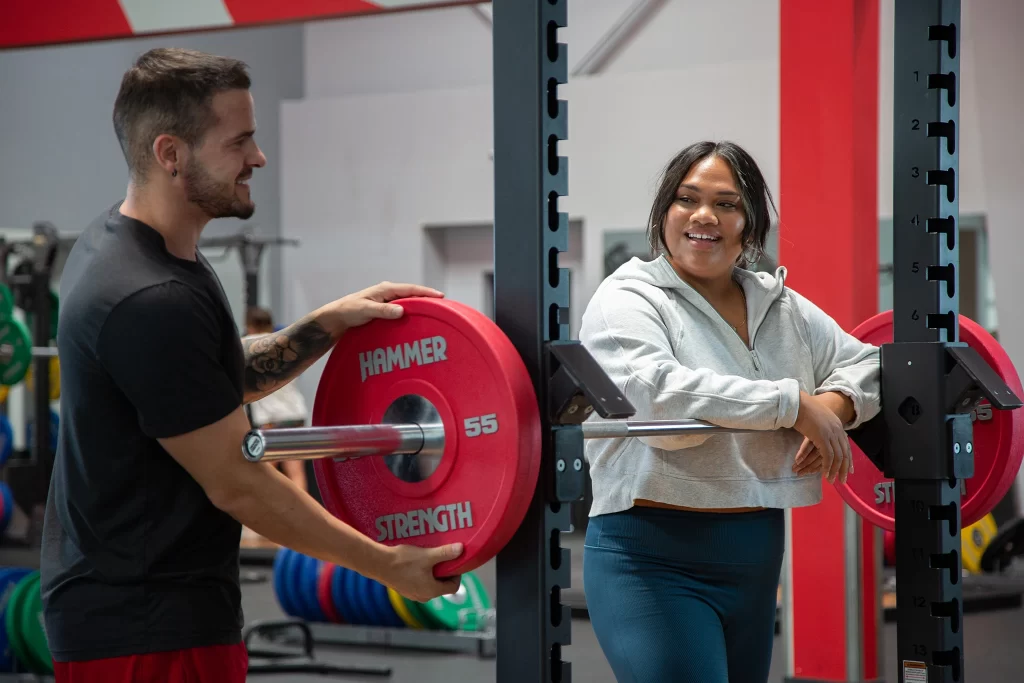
[451, 47]
[689, 33]
[459, 260]
[395, 132]
[365, 192]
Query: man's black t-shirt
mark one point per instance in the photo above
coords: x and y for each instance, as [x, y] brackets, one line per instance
[135, 558]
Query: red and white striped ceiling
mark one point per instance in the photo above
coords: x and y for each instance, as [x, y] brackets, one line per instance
[25, 23]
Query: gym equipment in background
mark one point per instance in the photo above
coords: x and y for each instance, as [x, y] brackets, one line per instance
[250, 251]
[23, 645]
[317, 591]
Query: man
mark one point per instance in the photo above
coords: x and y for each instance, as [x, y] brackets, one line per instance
[149, 493]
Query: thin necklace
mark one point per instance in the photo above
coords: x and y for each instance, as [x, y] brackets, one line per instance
[735, 327]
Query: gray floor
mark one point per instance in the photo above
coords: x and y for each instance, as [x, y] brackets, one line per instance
[992, 642]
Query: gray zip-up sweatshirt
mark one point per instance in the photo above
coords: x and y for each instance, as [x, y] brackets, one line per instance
[675, 357]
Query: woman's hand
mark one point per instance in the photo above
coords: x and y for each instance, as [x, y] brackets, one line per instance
[824, 433]
[809, 461]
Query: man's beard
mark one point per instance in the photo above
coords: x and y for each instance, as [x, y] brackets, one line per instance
[217, 200]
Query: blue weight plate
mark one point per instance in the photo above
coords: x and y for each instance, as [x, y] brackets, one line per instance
[8, 506]
[298, 580]
[54, 431]
[279, 580]
[386, 612]
[288, 556]
[312, 575]
[6, 439]
[365, 598]
[288, 586]
[9, 578]
[351, 598]
[370, 603]
[296, 573]
[338, 595]
[373, 599]
[354, 596]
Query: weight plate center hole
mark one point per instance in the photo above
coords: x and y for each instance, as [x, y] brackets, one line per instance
[414, 409]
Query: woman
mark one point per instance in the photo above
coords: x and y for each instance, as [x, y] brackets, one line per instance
[685, 542]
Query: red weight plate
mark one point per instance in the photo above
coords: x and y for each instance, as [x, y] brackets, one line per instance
[323, 592]
[463, 364]
[998, 439]
[889, 547]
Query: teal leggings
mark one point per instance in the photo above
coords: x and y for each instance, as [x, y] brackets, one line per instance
[687, 597]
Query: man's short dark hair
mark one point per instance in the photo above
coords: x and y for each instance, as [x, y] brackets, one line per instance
[170, 90]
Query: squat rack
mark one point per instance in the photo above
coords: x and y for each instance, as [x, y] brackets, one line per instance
[532, 303]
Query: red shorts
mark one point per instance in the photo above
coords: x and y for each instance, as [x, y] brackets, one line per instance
[215, 664]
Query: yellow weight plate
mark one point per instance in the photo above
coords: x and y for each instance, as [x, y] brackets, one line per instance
[54, 378]
[398, 602]
[4, 390]
[973, 541]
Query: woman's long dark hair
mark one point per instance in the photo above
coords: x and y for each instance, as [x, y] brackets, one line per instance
[758, 206]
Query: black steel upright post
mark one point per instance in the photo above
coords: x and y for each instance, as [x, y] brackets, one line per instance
[531, 307]
[45, 242]
[250, 253]
[928, 471]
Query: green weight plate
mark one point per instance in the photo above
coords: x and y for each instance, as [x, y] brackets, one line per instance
[15, 339]
[6, 301]
[32, 628]
[421, 614]
[463, 611]
[12, 622]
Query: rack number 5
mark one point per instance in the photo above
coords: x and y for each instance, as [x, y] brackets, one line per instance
[485, 424]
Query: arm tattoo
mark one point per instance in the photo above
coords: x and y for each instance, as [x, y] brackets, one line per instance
[274, 359]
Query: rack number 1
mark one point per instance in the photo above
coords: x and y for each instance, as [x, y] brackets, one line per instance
[485, 424]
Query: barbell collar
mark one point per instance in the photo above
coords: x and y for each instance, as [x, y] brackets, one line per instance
[354, 441]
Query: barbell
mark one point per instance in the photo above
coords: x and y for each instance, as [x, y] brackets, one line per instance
[353, 441]
[445, 400]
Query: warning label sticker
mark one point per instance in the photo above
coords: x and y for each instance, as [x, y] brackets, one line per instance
[915, 672]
